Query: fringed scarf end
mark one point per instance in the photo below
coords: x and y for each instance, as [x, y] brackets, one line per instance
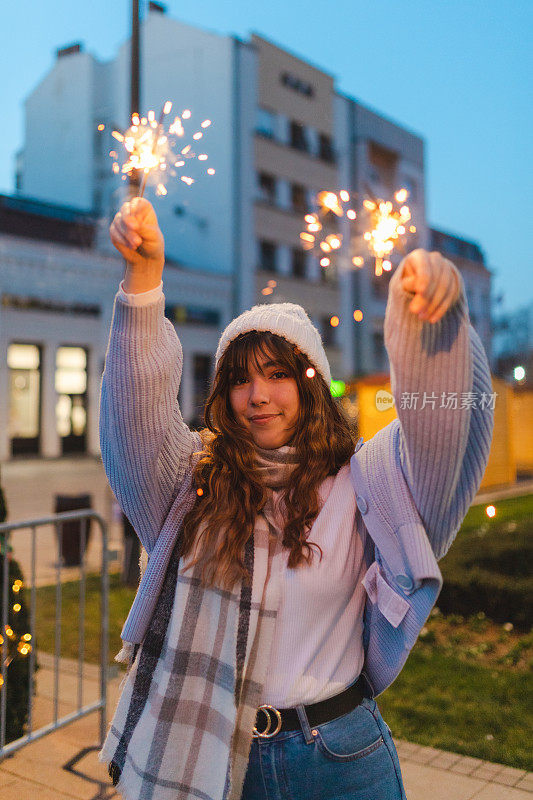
[126, 654]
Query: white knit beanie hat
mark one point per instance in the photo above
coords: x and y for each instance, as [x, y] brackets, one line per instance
[286, 319]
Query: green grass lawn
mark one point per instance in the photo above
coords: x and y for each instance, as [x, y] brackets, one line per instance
[475, 709]
[467, 685]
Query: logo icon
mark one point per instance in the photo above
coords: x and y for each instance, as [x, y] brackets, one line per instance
[384, 400]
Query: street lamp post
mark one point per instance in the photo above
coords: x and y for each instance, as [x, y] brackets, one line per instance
[135, 82]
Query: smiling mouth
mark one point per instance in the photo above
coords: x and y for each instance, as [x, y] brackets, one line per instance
[266, 418]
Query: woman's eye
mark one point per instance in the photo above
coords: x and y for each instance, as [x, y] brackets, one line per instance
[283, 374]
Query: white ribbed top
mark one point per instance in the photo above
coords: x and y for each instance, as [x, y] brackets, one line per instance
[317, 649]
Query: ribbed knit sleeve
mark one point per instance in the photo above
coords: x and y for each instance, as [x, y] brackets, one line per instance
[441, 384]
[146, 446]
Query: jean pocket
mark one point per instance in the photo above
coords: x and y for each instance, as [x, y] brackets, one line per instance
[350, 737]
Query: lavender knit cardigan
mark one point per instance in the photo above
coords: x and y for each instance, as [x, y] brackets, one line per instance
[414, 480]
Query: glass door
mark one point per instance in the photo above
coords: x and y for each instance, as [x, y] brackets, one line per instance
[71, 404]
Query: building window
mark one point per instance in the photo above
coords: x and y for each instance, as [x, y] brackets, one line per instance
[266, 123]
[296, 84]
[71, 404]
[378, 350]
[383, 164]
[299, 198]
[200, 387]
[298, 138]
[328, 275]
[267, 188]
[380, 285]
[327, 332]
[267, 256]
[24, 363]
[410, 185]
[325, 148]
[298, 262]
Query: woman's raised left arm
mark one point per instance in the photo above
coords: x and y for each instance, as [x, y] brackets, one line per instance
[442, 389]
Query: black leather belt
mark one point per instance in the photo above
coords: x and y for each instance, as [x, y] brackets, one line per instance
[269, 720]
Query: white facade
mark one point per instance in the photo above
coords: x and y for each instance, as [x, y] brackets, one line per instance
[56, 296]
[66, 160]
[218, 226]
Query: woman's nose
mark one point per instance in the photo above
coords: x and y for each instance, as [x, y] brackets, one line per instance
[258, 390]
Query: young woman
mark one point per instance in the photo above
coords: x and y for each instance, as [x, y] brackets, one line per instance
[290, 565]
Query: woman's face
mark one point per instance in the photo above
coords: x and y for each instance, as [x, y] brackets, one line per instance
[270, 392]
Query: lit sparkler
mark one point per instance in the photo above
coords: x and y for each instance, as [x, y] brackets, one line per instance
[157, 152]
[383, 227]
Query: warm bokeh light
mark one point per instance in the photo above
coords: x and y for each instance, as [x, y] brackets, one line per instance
[310, 372]
[490, 511]
[334, 321]
[358, 315]
[401, 195]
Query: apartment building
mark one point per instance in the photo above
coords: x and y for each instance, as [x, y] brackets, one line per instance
[281, 132]
[57, 286]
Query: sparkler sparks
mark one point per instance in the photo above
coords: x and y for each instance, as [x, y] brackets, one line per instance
[374, 225]
[381, 224]
[155, 151]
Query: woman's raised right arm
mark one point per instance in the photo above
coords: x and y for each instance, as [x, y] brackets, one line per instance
[146, 446]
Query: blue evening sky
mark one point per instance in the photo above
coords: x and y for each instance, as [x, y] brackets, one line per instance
[454, 72]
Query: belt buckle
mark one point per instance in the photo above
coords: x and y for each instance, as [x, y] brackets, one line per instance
[266, 709]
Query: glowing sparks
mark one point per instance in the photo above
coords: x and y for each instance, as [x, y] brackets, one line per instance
[330, 201]
[154, 151]
[401, 195]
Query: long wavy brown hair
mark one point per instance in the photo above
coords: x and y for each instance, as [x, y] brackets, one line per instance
[230, 489]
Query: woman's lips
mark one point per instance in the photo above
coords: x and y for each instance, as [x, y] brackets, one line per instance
[263, 420]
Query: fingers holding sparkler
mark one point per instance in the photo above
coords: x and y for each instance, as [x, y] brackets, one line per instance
[136, 234]
[433, 279]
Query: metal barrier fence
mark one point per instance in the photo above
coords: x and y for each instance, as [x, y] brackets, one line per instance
[6, 529]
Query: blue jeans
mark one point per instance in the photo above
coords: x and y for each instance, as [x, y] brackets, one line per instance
[351, 757]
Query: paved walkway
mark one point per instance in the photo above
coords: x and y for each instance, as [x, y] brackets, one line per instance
[64, 764]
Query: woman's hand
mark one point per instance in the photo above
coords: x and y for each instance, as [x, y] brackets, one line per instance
[435, 281]
[136, 235]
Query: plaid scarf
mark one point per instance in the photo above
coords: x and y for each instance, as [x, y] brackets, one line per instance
[183, 724]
